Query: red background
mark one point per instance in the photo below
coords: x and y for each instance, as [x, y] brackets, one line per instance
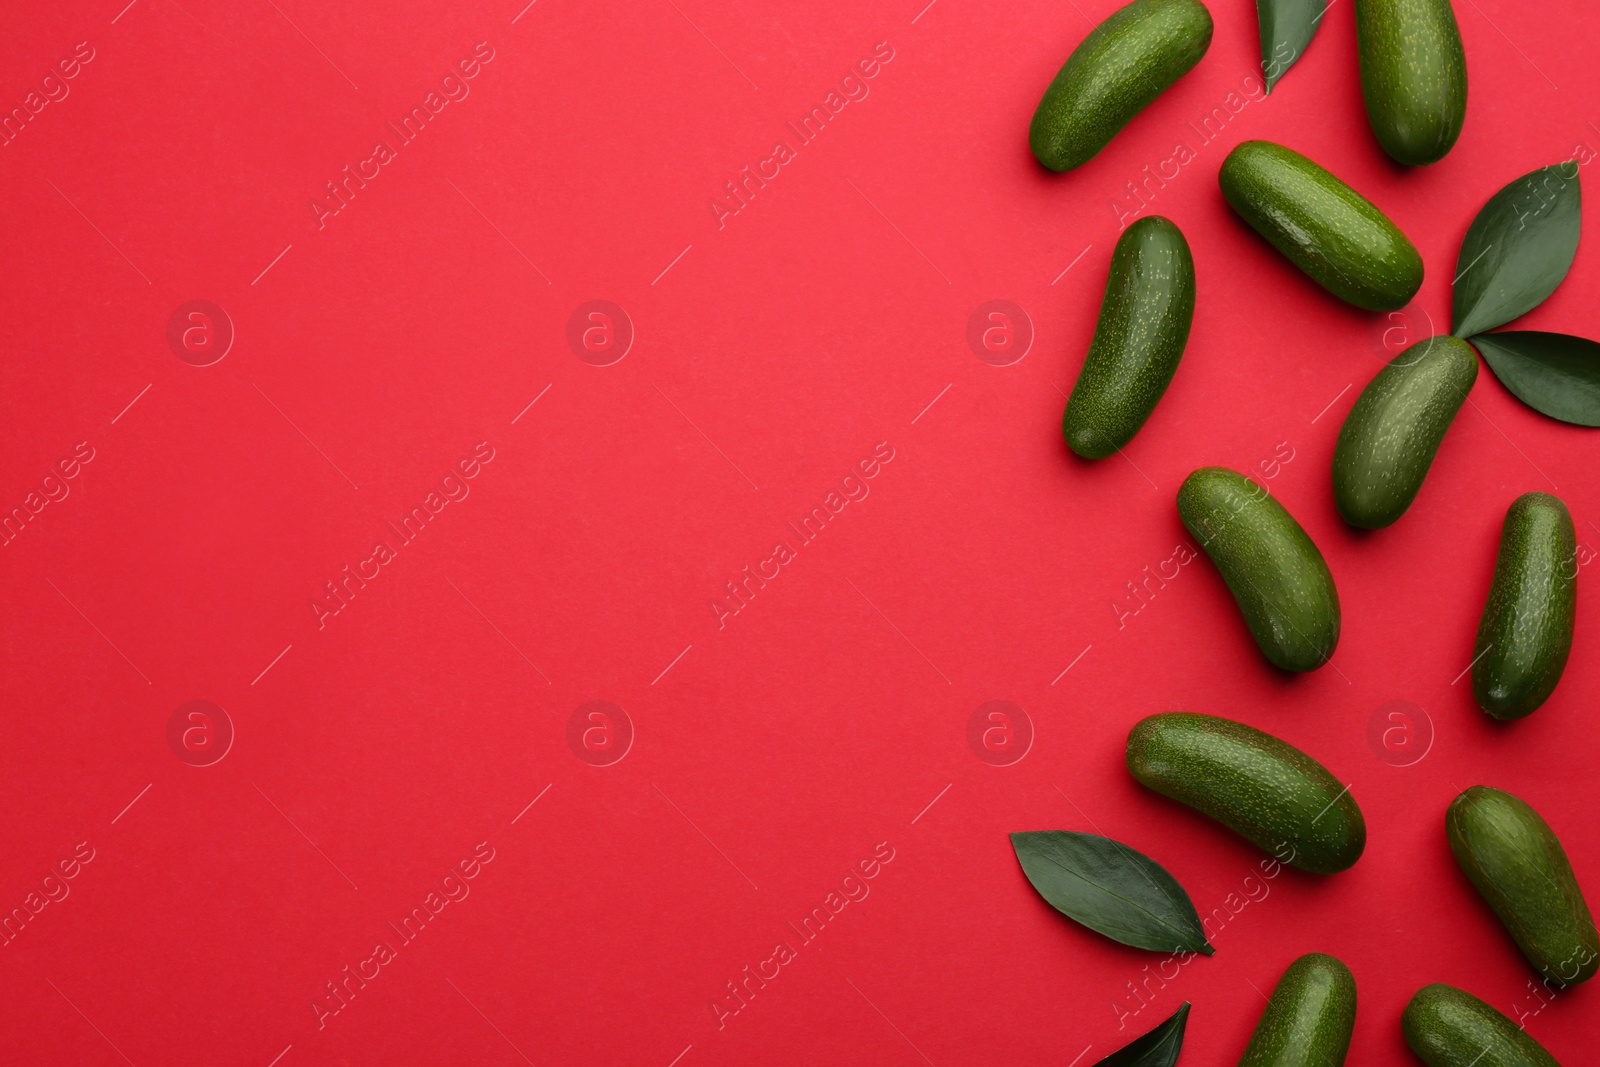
[774, 753]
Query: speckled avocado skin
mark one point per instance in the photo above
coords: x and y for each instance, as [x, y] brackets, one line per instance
[1526, 630]
[1263, 789]
[1413, 76]
[1327, 229]
[1125, 62]
[1310, 1018]
[1449, 1027]
[1144, 325]
[1518, 866]
[1389, 439]
[1275, 572]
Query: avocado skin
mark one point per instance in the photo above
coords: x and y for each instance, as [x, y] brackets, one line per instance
[1527, 621]
[1389, 439]
[1309, 1020]
[1449, 1027]
[1413, 76]
[1263, 789]
[1127, 61]
[1275, 572]
[1327, 229]
[1138, 340]
[1518, 866]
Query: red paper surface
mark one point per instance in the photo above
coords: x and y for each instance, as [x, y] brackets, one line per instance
[764, 356]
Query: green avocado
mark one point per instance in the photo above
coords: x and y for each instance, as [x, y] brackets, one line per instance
[1389, 438]
[1125, 62]
[1263, 789]
[1143, 327]
[1449, 1027]
[1323, 226]
[1526, 629]
[1413, 76]
[1280, 580]
[1518, 866]
[1309, 1020]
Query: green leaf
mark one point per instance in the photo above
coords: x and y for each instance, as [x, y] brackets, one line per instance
[1287, 27]
[1158, 1048]
[1554, 373]
[1518, 249]
[1111, 889]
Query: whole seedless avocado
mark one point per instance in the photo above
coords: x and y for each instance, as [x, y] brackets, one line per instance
[1449, 1027]
[1518, 866]
[1526, 629]
[1309, 1020]
[1263, 789]
[1143, 327]
[1326, 228]
[1125, 62]
[1280, 580]
[1413, 76]
[1389, 439]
